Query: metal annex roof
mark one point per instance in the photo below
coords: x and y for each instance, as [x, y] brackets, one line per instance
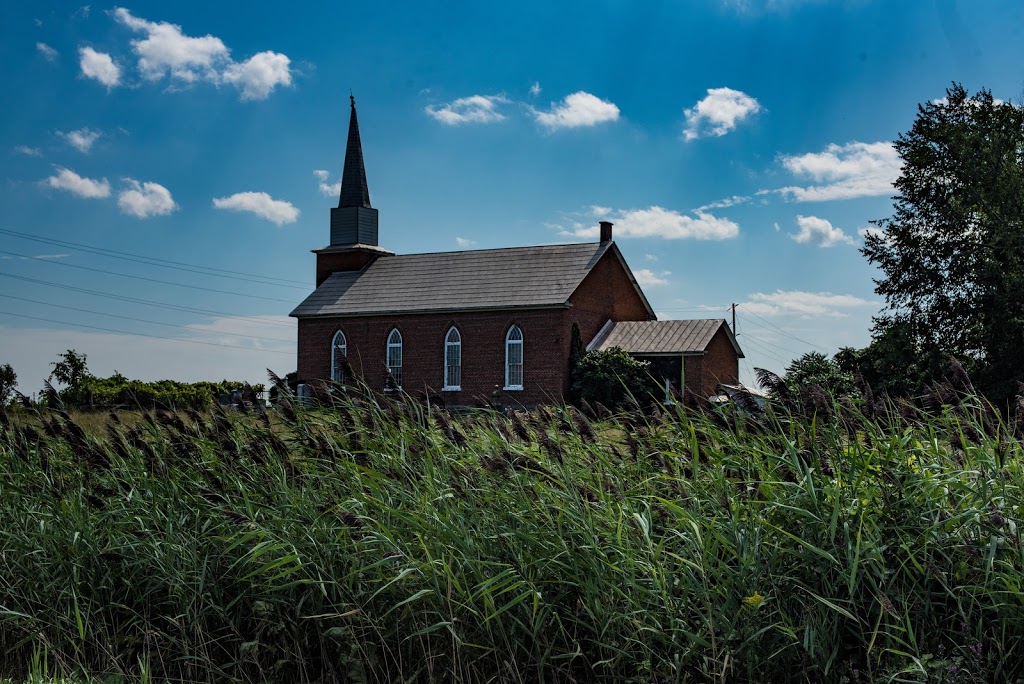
[661, 337]
[516, 277]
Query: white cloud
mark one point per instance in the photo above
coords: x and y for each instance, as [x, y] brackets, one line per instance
[463, 243]
[28, 151]
[578, 109]
[47, 52]
[535, 88]
[648, 278]
[257, 76]
[326, 188]
[776, 226]
[472, 109]
[855, 169]
[68, 180]
[82, 139]
[600, 211]
[726, 202]
[658, 222]
[261, 204]
[820, 232]
[650, 257]
[99, 66]
[718, 113]
[167, 52]
[165, 49]
[803, 304]
[146, 199]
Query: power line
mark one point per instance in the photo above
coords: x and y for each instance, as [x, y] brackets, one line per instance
[705, 308]
[138, 334]
[771, 344]
[143, 320]
[145, 302]
[764, 350]
[152, 280]
[163, 263]
[788, 334]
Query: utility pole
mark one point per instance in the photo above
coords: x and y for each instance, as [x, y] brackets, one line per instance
[735, 334]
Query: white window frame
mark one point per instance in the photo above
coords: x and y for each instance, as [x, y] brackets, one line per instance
[452, 346]
[393, 345]
[509, 343]
[336, 368]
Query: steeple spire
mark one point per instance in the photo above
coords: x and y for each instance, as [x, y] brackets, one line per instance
[354, 191]
[353, 221]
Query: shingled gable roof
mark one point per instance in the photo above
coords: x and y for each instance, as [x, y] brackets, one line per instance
[661, 337]
[510, 278]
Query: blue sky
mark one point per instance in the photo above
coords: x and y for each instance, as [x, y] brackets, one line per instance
[740, 147]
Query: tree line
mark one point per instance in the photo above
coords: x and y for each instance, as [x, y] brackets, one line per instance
[70, 384]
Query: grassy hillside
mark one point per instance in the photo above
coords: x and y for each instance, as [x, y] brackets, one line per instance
[375, 543]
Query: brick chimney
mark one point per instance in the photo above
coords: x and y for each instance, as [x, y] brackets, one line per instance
[606, 231]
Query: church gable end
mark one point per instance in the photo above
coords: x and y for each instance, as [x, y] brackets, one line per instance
[609, 292]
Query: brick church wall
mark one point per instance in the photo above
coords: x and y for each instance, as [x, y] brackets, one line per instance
[545, 352]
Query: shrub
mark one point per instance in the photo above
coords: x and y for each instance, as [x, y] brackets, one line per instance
[609, 377]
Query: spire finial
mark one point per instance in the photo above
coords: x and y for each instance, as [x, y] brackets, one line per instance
[351, 98]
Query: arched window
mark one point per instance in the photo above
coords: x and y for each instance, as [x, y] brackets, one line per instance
[453, 360]
[514, 359]
[395, 357]
[339, 351]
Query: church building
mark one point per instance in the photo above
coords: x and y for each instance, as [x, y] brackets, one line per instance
[461, 325]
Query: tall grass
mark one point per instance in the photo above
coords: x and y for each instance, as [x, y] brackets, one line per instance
[372, 542]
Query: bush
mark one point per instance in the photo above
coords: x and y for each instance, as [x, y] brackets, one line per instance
[610, 377]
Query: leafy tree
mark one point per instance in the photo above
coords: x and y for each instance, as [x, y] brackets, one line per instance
[8, 381]
[610, 376]
[952, 253]
[814, 368]
[71, 370]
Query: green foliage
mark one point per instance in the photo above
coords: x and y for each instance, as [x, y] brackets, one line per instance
[609, 377]
[374, 542]
[119, 391]
[814, 368]
[84, 390]
[8, 381]
[952, 254]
